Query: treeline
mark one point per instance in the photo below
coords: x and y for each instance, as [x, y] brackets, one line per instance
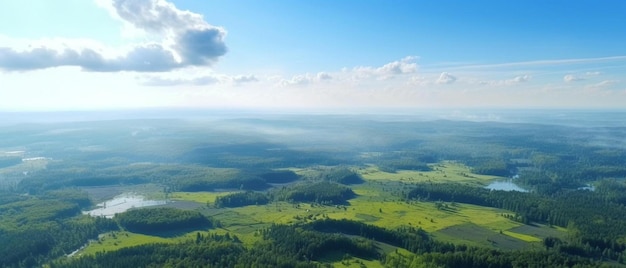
[413, 239]
[493, 167]
[482, 257]
[190, 178]
[260, 155]
[34, 229]
[596, 222]
[242, 199]
[159, 220]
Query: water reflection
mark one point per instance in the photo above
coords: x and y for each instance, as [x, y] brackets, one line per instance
[122, 203]
[505, 185]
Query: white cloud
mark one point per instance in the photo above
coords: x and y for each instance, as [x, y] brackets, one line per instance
[324, 76]
[445, 78]
[572, 78]
[305, 79]
[244, 79]
[407, 65]
[185, 39]
[520, 79]
[507, 82]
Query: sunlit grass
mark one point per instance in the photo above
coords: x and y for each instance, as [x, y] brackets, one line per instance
[446, 171]
[200, 197]
[117, 240]
[527, 238]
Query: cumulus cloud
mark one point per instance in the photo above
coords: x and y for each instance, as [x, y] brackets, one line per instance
[445, 78]
[305, 79]
[406, 65]
[187, 40]
[323, 76]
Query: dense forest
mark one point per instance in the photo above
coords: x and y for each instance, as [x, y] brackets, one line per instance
[160, 220]
[34, 229]
[241, 199]
[240, 193]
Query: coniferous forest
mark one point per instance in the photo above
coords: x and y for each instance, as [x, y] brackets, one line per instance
[314, 191]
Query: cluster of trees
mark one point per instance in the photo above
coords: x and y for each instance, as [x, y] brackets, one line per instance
[242, 199]
[320, 192]
[278, 176]
[159, 220]
[595, 221]
[493, 167]
[324, 192]
[339, 174]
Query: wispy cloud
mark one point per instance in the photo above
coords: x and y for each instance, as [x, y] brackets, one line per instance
[202, 80]
[536, 63]
[602, 85]
[305, 79]
[187, 40]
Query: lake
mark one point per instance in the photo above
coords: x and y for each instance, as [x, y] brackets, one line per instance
[122, 203]
[505, 185]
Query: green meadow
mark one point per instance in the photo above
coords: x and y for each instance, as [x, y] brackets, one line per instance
[379, 201]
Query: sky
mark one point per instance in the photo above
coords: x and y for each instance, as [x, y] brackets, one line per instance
[63, 55]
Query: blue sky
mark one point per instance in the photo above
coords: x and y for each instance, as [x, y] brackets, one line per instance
[107, 54]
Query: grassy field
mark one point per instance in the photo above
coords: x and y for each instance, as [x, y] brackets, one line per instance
[200, 197]
[379, 202]
[117, 240]
[446, 171]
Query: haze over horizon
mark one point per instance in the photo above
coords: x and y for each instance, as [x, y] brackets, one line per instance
[322, 55]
